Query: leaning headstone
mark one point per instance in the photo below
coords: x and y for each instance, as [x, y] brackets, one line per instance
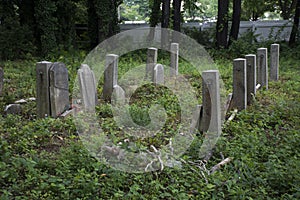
[110, 76]
[262, 67]
[251, 77]
[211, 102]
[42, 89]
[13, 109]
[119, 95]
[88, 87]
[1, 80]
[59, 89]
[274, 62]
[174, 59]
[158, 77]
[239, 84]
[151, 62]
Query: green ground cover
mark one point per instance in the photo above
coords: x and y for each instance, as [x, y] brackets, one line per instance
[45, 159]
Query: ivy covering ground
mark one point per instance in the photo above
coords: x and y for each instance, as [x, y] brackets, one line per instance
[45, 159]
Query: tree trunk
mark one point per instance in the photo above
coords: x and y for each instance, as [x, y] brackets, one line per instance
[222, 23]
[165, 37]
[236, 18]
[154, 17]
[165, 14]
[286, 8]
[177, 15]
[295, 29]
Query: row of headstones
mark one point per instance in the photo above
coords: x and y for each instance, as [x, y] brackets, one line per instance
[53, 86]
[154, 71]
[249, 74]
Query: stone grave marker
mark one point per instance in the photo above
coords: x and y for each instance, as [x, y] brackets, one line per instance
[274, 62]
[110, 76]
[251, 76]
[211, 102]
[239, 84]
[151, 62]
[119, 95]
[88, 87]
[158, 77]
[262, 67]
[174, 59]
[59, 89]
[42, 89]
[1, 80]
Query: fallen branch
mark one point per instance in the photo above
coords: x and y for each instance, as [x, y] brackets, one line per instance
[232, 116]
[219, 165]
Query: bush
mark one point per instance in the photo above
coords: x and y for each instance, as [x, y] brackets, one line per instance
[15, 40]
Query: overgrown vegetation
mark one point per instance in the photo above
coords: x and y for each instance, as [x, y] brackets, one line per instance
[45, 159]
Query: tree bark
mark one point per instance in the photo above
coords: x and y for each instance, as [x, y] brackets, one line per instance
[165, 14]
[236, 19]
[154, 18]
[286, 8]
[177, 15]
[222, 23]
[295, 28]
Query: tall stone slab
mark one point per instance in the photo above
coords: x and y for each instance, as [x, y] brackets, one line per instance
[174, 59]
[1, 80]
[42, 89]
[59, 89]
[262, 67]
[158, 77]
[239, 84]
[251, 77]
[151, 62]
[110, 76]
[211, 102]
[274, 62]
[88, 87]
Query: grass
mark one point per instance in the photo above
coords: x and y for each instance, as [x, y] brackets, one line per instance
[45, 158]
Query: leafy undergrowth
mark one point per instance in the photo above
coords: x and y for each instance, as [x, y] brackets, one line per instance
[45, 159]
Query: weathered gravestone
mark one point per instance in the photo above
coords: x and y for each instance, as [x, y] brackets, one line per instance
[239, 84]
[88, 87]
[211, 102]
[110, 76]
[42, 89]
[119, 95]
[274, 62]
[251, 77]
[1, 80]
[174, 59]
[158, 77]
[151, 62]
[262, 67]
[52, 89]
[59, 89]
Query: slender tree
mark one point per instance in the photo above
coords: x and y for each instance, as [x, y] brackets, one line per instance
[176, 15]
[287, 7]
[222, 24]
[295, 28]
[103, 20]
[165, 20]
[155, 16]
[236, 19]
